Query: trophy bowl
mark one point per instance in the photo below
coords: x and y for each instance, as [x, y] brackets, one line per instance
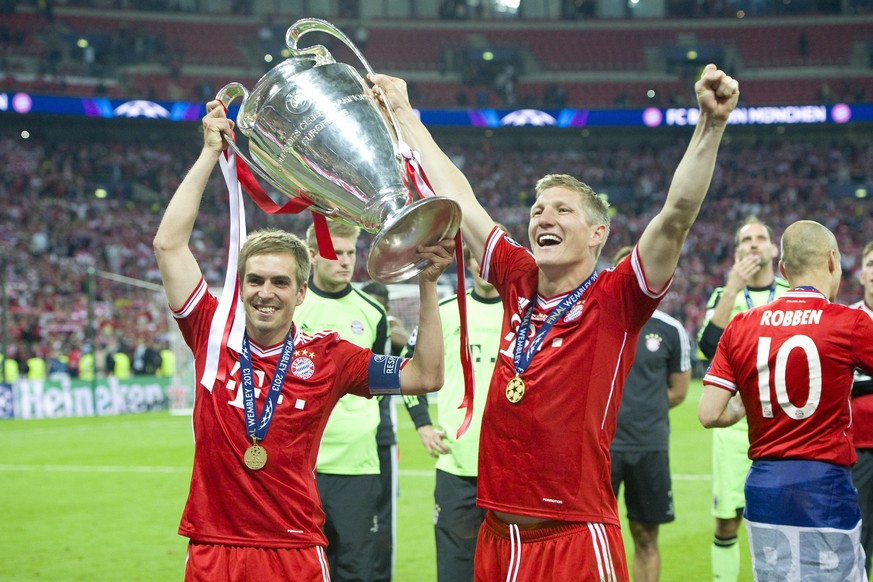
[315, 130]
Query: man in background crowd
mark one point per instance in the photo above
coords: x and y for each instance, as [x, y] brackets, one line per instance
[657, 381]
[348, 463]
[457, 519]
[751, 282]
[862, 418]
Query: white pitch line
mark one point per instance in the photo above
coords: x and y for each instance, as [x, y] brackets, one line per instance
[93, 469]
[159, 469]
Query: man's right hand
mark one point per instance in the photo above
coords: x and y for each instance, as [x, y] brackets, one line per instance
[216, 123]
[742, 272]
[433, 440]
[391, 92]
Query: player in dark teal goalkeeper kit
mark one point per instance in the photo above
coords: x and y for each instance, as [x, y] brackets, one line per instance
[348, 464]
[751, 282]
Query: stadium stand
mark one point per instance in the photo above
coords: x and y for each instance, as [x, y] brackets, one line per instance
[53, 228]
[181, 55]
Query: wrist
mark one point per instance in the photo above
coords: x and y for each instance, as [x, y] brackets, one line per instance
[712, 122]
[732, 289]
[210, 153]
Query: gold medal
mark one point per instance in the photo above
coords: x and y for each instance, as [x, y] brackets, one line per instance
[515, 389]
[255, 457]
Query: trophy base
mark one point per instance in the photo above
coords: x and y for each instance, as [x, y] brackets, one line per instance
[424, 222]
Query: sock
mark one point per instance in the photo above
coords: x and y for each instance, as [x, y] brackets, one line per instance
[725, 556]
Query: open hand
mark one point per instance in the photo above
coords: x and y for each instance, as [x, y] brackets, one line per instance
[743, 271]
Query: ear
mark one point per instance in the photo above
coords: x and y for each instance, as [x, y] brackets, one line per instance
[832, 261]
[598, 235]
[301, 293]
[775, 254]
[782, 270]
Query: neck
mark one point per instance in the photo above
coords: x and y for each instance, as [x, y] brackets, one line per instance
[560, 280]
[821, 284]
[329, 286]
[762, 278]
[265, 340]
[488, 292]
[868, 300]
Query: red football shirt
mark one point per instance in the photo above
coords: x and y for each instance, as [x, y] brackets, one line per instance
[548, 455]
[277, 506]
[792, 362]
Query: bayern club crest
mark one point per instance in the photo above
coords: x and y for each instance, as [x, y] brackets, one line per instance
[574, 313]
[302, 367]
[653, 342]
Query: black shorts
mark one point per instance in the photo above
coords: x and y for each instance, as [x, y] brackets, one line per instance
[648, 490]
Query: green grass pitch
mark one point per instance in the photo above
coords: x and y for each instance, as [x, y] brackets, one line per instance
[96, 499]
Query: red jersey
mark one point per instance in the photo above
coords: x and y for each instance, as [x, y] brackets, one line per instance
[862, 406]
[548, 454]
[792, 362]
[277, 506]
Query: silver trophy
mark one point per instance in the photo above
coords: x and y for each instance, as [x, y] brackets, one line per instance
[315, 130]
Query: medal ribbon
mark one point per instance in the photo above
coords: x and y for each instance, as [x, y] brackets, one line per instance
[522, 358]
[769, 298]
[256, 428]
[293, 206]
[416, 180]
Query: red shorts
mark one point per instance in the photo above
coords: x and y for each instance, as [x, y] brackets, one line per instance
[218, 563]
[550, 551]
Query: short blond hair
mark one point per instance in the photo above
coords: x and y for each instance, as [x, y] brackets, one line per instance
[269, 241]
[336, 228]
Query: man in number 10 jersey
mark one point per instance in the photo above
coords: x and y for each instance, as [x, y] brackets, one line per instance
[792, 363]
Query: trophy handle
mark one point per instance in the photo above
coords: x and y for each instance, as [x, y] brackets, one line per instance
[305, 25]
[226, 95]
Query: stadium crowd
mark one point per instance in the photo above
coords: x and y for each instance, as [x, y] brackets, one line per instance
[53, 227]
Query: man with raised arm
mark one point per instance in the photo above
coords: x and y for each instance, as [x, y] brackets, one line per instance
[253, 510]
[567, 344]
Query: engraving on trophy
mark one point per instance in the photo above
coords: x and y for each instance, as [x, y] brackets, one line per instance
[318, 127]
[297, 102]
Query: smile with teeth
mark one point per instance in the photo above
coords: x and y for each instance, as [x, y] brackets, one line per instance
[548, 240]
[265, 309]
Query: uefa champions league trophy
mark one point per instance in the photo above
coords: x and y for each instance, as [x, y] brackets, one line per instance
[315, 130]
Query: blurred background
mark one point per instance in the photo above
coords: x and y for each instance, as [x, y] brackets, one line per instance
[100, 104]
